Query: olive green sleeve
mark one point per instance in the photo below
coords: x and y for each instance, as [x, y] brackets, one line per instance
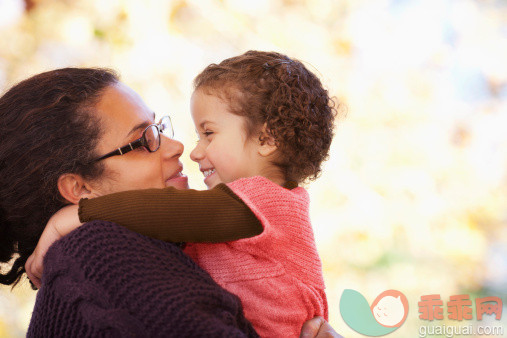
[172, 215]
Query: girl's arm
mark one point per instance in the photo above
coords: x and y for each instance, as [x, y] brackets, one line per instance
[172, 215]
[60, 224]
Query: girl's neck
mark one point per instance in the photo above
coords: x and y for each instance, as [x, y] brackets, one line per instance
[279, 181]
[275, 175]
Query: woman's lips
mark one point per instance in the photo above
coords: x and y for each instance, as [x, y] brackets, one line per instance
[179, 181]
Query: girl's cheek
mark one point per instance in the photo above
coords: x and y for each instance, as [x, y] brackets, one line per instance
[210, 152]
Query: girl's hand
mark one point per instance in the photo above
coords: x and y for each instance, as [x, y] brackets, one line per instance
[318, 327]
[59, 225]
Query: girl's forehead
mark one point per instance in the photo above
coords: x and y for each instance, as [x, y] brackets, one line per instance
[203, 103]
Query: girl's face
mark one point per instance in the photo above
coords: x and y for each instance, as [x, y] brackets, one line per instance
[223, 151]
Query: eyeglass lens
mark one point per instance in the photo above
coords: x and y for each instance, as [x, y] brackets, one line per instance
[152, 138]
[166, 126]
[152, 134]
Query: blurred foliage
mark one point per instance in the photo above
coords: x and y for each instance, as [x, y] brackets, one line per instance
[414, 194]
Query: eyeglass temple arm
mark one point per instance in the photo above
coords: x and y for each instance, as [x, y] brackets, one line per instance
[125, 149]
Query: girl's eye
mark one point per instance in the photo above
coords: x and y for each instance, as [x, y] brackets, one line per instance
[208, 133]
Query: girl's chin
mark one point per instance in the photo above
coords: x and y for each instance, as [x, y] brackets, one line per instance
[212, 180]
[211, 185]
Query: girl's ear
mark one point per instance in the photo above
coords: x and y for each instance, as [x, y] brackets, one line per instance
[267, 144]
[73, 187]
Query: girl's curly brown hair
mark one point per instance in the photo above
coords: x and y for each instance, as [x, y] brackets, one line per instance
[271, 89]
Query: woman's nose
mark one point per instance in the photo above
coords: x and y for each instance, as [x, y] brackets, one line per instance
[170, 148]
[197, 153]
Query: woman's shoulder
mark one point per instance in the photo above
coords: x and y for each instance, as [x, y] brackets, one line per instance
[114, 236]
[106, 244]
[116, 277]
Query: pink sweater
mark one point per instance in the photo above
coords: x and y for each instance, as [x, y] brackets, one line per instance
[277, 274]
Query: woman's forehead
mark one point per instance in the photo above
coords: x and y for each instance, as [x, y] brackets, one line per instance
[121, 105]
[121, 112]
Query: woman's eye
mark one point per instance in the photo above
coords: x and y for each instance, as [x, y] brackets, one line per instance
[208, 133]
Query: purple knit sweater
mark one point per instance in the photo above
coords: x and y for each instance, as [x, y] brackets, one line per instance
[103, 280]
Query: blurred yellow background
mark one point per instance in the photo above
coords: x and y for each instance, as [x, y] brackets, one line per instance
[414, 195]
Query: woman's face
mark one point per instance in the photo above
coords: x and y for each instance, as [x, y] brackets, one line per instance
[124, 116]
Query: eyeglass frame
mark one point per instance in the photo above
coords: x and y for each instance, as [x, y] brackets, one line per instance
[140, 142]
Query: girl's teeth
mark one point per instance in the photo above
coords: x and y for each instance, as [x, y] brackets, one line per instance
[208, 172]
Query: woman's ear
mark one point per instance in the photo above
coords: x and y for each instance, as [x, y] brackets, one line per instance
[267, 143]
[73, 187]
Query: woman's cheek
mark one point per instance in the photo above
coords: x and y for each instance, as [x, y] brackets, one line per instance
[145, 175]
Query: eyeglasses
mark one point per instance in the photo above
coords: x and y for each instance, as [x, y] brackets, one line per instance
[150, 138]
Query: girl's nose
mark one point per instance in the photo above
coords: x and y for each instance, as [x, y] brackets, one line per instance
[170, 148]
[197, 153]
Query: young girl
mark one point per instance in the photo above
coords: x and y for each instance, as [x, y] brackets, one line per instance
[265, 124]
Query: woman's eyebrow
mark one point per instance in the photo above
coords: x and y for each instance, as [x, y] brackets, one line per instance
[141, 125]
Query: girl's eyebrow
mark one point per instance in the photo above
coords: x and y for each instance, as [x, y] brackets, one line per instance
[203, 123]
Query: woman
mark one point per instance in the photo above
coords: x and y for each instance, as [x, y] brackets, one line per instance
[101, 279]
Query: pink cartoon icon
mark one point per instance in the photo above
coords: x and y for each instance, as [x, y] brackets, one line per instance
[390, 308]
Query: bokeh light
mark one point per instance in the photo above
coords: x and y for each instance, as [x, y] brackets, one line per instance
[414, 195]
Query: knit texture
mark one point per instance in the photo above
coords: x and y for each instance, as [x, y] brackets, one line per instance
[103, 280]
[277, 274]
[212, 216]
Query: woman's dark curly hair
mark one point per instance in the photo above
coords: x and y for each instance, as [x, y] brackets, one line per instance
[273, 89]
[47, 128]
